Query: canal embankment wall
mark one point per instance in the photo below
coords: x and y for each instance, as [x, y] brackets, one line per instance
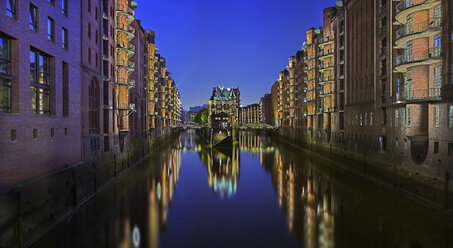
[30, 209]
[425, 189]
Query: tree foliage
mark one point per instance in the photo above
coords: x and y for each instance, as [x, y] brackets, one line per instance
[202, 117]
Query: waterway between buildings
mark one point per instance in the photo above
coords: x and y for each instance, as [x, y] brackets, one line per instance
[258, 194]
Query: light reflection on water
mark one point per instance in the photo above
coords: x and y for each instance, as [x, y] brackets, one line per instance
[258, 194]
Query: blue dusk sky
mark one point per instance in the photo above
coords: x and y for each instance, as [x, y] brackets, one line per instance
[243, 43]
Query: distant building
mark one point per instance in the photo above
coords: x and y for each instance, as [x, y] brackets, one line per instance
[250, 114]
[223, 107]
[266, 109]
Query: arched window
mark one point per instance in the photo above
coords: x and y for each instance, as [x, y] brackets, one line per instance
[94, 107]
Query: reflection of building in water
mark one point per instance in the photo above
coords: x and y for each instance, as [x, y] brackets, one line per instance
[223, 170]
[306, 198]
[255, 144]
[161, 194]
[188, 141]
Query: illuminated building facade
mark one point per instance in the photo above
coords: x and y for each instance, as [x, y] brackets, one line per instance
[376, 82]
[40, 87]
[91, 67]
[250, 114]
[223, 107]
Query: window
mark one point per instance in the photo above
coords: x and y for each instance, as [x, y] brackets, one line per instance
[450, 149]
[437, 45]
[89, 30]
[89, 6]
[436, 147]
[5, 74]
[408, 52]
[96, 36]
[64, 7]
[52, 132]
[89, 55]
[408, 117]
[396, 117]
[11, 8]
[50, 29]
[65, 131]
[382, 143]
[34, 18]
[409, 23]
[450, 116]
[436, 116]
[437, 80]
[93, 108]
[39, 82]
[408, 85]
[371, 119]
[13, 135]
[35, 134]
[64, 38]
[65, 89]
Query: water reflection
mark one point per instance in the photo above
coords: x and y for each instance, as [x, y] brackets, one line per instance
[265, 195]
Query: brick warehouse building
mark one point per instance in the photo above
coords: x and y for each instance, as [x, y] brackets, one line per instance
[391, 99]
[40, 88]
[85, 85]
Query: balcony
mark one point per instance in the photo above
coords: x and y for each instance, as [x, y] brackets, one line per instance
[418, 95]
[122, 81]
[127, 48]
[407, 7]
[326, 79]
[426, 57]
[325, 66]
[325, 41]
[323, 93]
[126, 29]
[323, 54]
[126, 64]
[125, 10]
[422, 29]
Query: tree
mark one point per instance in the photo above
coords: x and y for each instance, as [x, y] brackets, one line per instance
[202, 117]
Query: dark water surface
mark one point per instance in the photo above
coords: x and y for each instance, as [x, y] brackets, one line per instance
[259, 194]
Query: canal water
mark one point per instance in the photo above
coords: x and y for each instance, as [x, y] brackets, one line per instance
[258, 194]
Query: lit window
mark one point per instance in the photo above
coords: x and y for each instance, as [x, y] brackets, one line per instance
[11, 8]
[33, 18]
[39, 82]
[5, 75]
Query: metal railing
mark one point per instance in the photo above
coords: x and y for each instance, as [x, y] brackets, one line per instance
[408, 57]
[125, 9]
[406, 4]
[419, 27]
[419, 95]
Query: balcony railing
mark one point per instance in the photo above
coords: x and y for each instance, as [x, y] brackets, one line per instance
[125, 9]
[429, 94]
[129, 82]
[323, 40]
[325, 65]
[326, 79]
[126, 28]
[419, 27]
[406, 4]
[326, 52]
[408, 57]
